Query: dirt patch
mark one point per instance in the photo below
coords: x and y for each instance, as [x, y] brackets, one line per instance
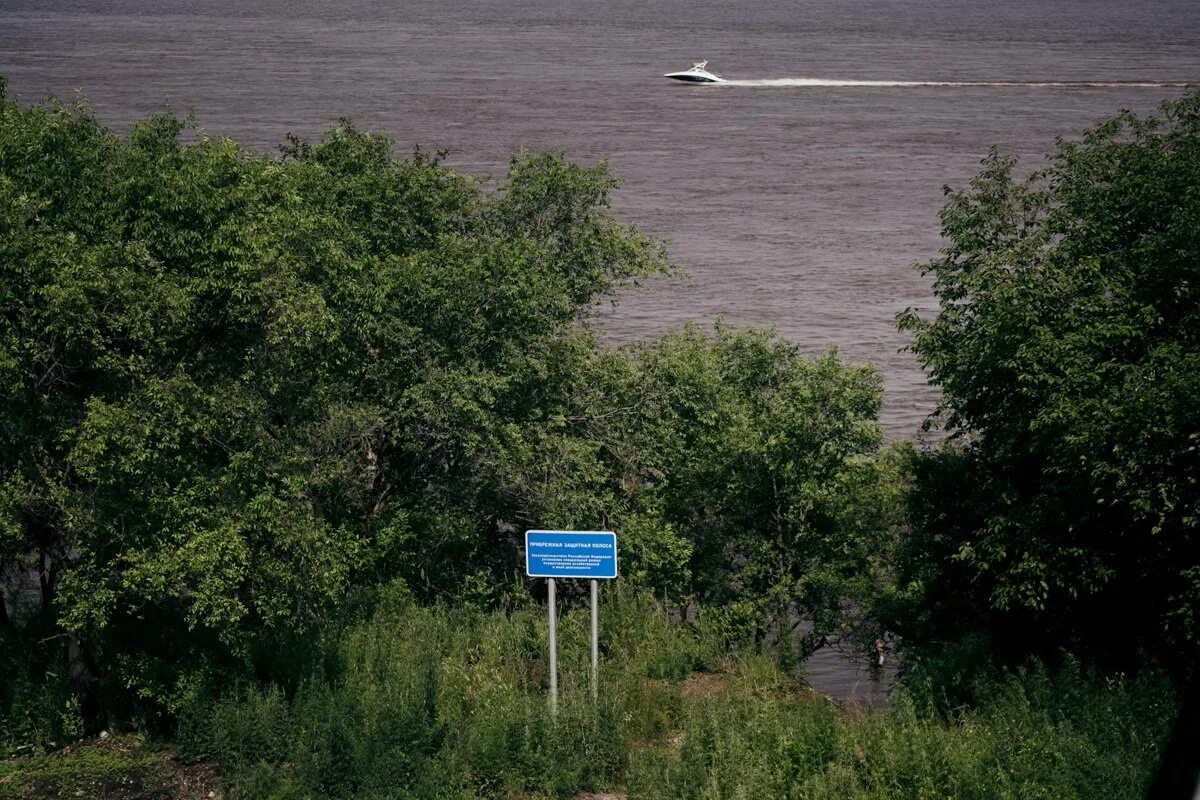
[110, 768]
[195, 781]
[703, 684]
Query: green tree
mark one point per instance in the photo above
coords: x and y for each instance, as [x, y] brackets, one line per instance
[768, 464]
[1063, 511]
[234, 386]
[741, 475]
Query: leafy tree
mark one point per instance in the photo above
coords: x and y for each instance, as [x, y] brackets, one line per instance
[740, 474]
[234, 386]
[1064, 510]
[768, 464]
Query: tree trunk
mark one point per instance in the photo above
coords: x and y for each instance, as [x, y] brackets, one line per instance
[6, 620]
[45, 580]
[787, 653]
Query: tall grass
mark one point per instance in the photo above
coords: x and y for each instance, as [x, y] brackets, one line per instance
[1099, 739]
[420, 702]
[433, 702]
[39, 704]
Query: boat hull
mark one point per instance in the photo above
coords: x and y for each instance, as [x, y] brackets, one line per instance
[694, 77]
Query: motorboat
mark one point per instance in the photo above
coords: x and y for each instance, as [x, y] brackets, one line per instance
[697, 74]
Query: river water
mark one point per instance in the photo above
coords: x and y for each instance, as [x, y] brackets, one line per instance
[797, 196]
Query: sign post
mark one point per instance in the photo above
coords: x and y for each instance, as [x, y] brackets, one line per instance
[571, 554]
[553, 649]
[595, 638]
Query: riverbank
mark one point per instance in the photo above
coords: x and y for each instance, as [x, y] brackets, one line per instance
[451, 703]
[437, 704]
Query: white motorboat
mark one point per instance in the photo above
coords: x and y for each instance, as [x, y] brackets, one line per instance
[697, 74]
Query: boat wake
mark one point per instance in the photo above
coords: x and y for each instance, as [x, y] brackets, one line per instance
[822, 82]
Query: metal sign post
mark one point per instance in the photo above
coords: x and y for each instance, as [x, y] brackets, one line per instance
[553, 649]
[595, 638]
[571, 554]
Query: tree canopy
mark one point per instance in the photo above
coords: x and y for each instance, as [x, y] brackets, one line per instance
[232, 384]
[1064, 513]
[236, 387]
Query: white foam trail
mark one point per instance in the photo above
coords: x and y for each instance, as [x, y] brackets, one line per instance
[822, 82]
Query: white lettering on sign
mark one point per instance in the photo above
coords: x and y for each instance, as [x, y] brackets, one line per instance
[571, 554]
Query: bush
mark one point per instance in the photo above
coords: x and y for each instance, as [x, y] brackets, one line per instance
[438, 702]
[235, 385]
[1033, 735]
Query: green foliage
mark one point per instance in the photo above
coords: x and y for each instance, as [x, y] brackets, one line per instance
[119, 768]
[1064, 512]
[768, 464]
[1032, 735]
[638, 629]
[739, 472]
[235, 385]
[421, 702]
[432, 702]
[40, 702]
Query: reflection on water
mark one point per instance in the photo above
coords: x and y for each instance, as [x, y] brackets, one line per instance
[849, 679]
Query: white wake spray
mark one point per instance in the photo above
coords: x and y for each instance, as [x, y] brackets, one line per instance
[822, 82]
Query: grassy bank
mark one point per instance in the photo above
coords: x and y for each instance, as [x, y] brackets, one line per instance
[112, 767]
[434, 703]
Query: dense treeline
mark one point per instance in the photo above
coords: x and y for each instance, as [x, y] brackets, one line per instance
[1066, 512]
[248, 399]
[238, 386]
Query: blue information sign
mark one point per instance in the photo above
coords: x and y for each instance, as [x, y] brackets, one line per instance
[571, 554]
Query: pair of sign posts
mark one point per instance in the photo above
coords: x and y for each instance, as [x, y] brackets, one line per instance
[590, 555]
